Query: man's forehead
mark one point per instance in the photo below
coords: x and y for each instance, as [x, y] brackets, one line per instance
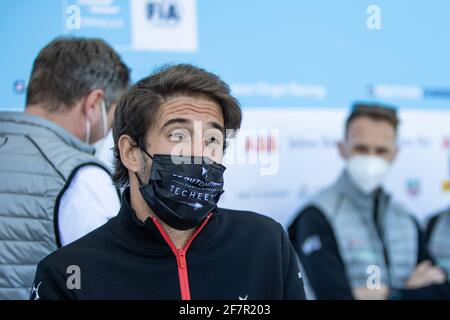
[374, 133]
[371, 128]
[190, 107]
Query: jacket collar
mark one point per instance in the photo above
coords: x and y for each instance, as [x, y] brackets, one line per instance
[146, 236]
[28, 124]
[361, 200]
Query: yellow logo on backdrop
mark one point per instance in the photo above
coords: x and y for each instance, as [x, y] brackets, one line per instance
[446, 185]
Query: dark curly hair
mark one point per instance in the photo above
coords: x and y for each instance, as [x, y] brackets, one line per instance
[137, 108]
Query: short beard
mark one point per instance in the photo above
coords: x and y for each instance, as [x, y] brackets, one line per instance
[144, 173]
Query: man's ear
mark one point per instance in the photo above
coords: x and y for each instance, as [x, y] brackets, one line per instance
[342, 149]
[91, 103]
[110, 115]
[129, 153]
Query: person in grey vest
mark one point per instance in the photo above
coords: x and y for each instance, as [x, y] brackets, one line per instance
[438, 239]
[53, 189]
[353, 240]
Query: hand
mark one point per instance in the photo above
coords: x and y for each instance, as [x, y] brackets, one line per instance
[364, 293]
[426, 274]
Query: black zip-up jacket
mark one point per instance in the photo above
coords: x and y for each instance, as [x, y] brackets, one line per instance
[232, 255]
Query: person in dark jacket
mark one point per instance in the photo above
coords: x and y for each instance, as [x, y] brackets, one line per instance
[170, 240]
[438, 239]
[356, 242]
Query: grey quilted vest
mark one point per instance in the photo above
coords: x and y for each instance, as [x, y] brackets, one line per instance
[350, 214]
[37, 162]
[439, 242]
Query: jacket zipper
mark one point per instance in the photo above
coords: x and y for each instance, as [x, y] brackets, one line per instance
[180, 255]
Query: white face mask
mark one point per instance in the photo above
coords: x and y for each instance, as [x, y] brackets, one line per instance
[103, 149]
[367, 172]
[104, 123]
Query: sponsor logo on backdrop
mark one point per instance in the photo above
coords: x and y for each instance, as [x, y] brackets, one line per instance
[167, 25]
[446, 146]
[446, 142]
[445, 185]
[303, 142]
[267, 143]
[279, 90]
[438, 93]
[270, 193]
[413, 187]
[255, 147]
[408, 92]
[164, 13]
[304, 192]
[419, 141]
[19, 86]
[95, 14]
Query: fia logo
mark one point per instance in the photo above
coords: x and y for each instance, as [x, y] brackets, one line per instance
[164, 12]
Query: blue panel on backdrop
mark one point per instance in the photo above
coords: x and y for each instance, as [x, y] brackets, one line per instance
[290, 53]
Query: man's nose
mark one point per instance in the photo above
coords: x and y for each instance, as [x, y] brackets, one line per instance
[198, 146]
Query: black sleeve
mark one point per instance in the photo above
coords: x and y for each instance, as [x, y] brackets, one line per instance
[423, 253]
[49, 284]
[430, 227]
[293, 281]
[316, 245]
[435, 291]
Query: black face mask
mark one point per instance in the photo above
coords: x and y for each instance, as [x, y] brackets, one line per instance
[184, 191]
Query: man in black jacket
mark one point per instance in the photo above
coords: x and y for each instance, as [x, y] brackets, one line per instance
[438, 239]
[169, 240]
[354, 241]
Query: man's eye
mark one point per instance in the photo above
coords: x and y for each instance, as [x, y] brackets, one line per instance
[178, 137]
[214, 140]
